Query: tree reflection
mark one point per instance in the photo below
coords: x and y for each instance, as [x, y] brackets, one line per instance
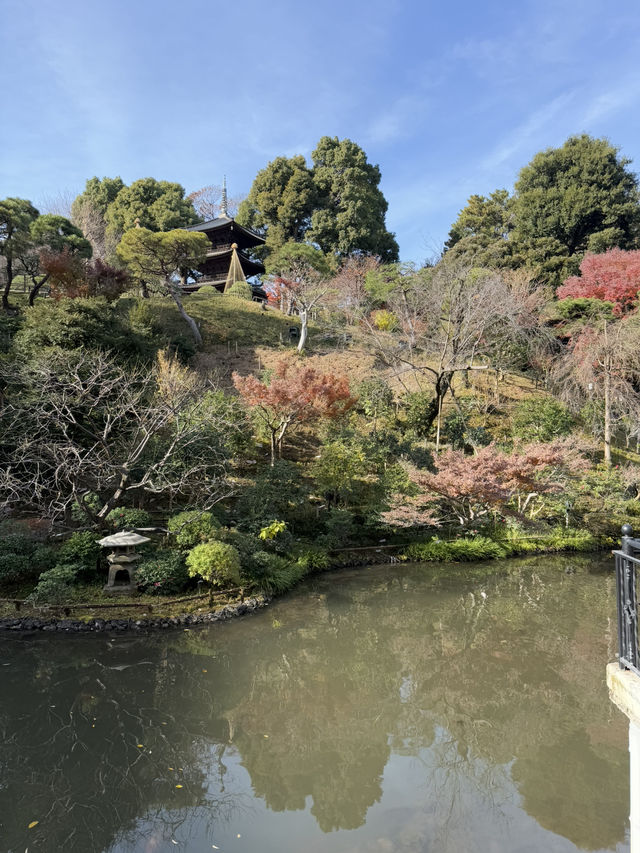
[494, 681]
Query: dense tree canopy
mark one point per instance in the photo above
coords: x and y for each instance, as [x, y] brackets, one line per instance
[572, 199]
[16, 218]
[481, 232]
[350, 214]
[281, 201]
[163, 257]
[336, 204]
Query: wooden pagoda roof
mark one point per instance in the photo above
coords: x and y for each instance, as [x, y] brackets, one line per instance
[223, 222]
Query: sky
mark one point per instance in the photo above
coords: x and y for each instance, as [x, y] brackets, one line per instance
[449, 99]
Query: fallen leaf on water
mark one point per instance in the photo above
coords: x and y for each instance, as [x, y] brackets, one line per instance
[33, 823]
[173, 841]
[178, 786]
[204, 670]
[265, 735]
[215, 846]
[238, 835]
[171, 768]
[140, 745]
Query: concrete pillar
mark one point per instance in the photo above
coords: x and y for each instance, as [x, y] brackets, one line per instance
[624, 691]
[634, 792]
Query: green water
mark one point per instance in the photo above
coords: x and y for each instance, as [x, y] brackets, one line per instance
[398, 708]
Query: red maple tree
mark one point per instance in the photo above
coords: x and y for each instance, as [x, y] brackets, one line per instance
[295, 393]
[468, 487]
[613, 276]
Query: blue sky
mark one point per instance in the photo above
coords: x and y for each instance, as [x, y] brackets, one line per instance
[448, 98]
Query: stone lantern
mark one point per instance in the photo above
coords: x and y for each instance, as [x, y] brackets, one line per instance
[122, 560]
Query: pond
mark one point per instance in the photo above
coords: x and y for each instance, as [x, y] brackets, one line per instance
[397, 708]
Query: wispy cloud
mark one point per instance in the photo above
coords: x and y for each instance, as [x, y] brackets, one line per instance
[521, 138]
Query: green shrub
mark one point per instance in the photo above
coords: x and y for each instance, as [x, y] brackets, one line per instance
[340, 528]
[43, 558]
[541, 420]
[128, 518]
[15, 567]
[419, 412]
[313, 559]
[54, 585]
[241, 290]
[81, 547]
[455, 550]
[275, 574]
[17, 543]
[192, 527]
[165, 573]
[278, 492]
[216, 562]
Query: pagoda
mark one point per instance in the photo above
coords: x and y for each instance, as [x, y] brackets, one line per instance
[228, 260]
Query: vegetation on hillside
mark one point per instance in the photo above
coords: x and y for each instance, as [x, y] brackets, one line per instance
[482, 405]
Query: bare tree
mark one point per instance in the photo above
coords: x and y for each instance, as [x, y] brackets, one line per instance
[58, 203]
[452, 319]
[602, 364]
[206, 202]
[349, 285]
[76, 424]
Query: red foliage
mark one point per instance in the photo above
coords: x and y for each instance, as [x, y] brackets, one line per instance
[613, 276]
[65, 273]
[469, 486]
[295, 394]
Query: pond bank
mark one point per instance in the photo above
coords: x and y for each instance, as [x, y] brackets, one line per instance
[229, 611]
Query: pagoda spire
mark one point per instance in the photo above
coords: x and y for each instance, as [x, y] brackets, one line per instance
[223, 201]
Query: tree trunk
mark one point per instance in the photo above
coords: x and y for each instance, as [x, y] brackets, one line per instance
[195, 331]
[144, 290]
[273, 448]
[304, 328]
[607, 412]
[5, 293]
[36, 289]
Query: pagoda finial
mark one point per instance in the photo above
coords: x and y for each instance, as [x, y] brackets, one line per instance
[223, 201]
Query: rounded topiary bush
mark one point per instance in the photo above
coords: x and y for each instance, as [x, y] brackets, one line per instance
[216, 562]
[241, 290]
[54, 585]
[165, 573]
[192, 527]
[128, 518]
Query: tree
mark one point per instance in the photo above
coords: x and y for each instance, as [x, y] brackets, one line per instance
[602, 364]
[52, 235]
[573, 199]
[468, 487]
[613, 276]
[78, 423]
[280, 202]
[206, 202]
[336, 204]
[16, 216]
[155, 205]
[350, 211]
[481, 232]
[295, 394]
[452, 318]
[350, 285]
[301, 279]
[89, 211]
[164, 257]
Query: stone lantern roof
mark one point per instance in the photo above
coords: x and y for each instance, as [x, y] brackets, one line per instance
[123, 539]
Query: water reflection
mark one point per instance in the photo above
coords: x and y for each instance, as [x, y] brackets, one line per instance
[429, 713]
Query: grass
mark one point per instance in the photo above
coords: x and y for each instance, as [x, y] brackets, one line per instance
[225, 318]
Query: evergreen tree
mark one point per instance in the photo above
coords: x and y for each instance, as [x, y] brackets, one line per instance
[569, 200]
